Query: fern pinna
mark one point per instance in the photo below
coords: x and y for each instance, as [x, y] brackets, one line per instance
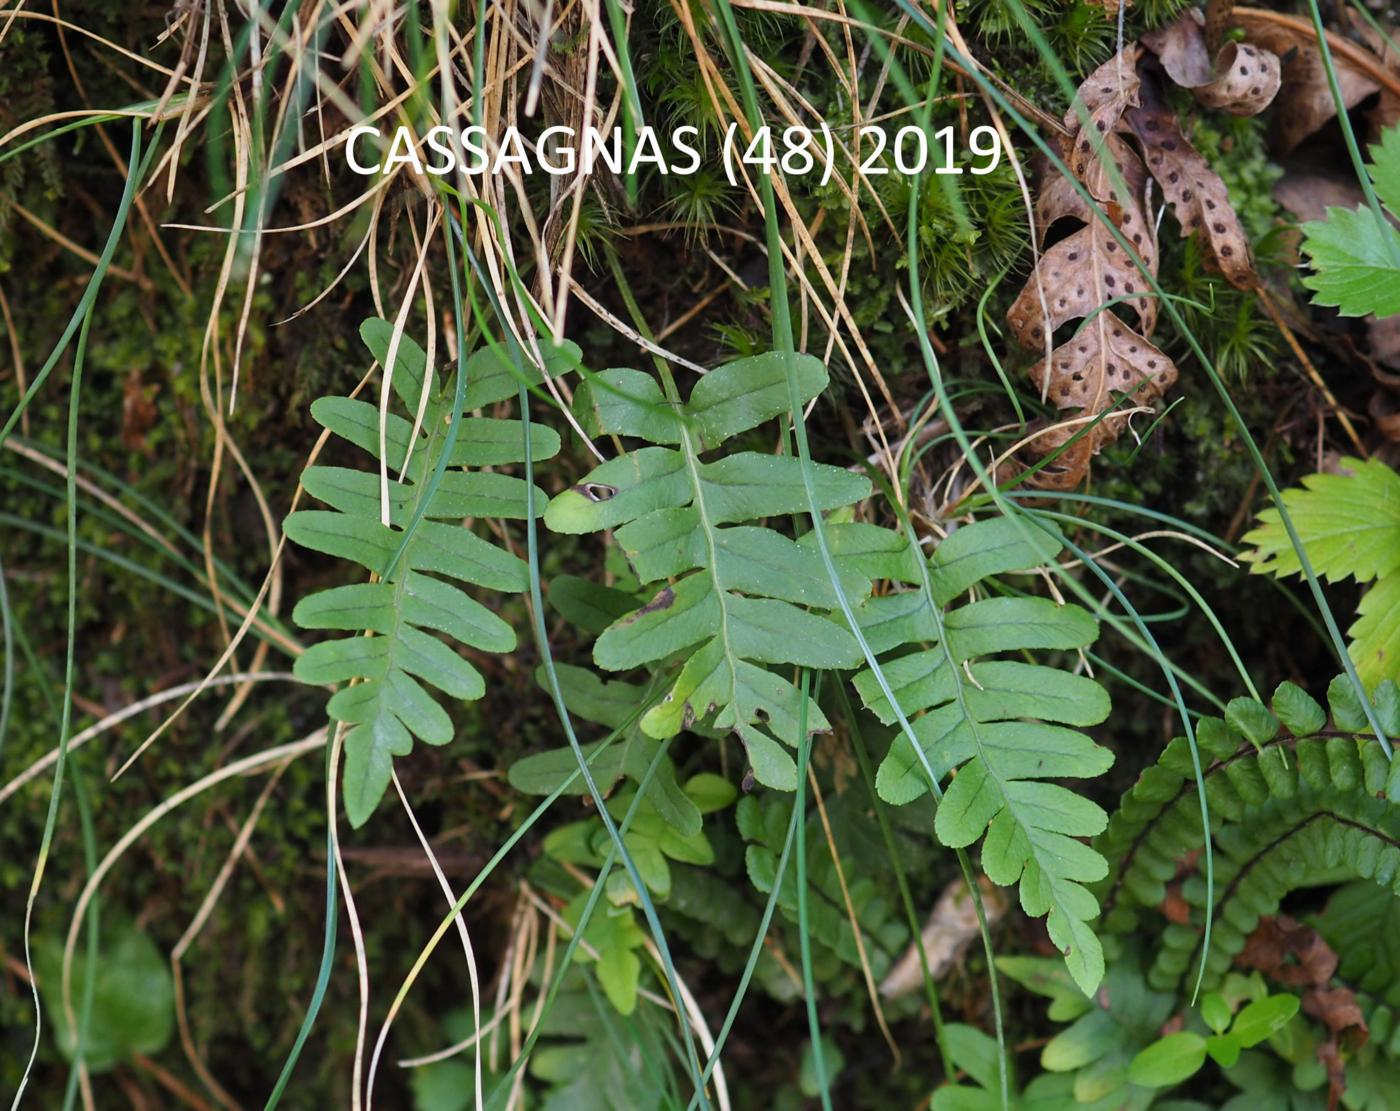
[1000, 722]
[428, 494]
[744, 596]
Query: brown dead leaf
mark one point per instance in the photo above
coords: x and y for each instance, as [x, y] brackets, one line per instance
[1387, 109]
[138, 412]
[1088, 268]
[1174, 907]
[1104, 96]
[1181, 48]
[952, 926]
[1296, 955]
[1243, 79]
[1383, 343]
[1111, 7]
[1288, 952]
[1082, 274]
[1330, 1054]
[1197, 194]
[1249, 79]
[1304, 100]
[1338, 1010]
[1384, 410]
[1308, 194]
[1105, 360]
[1120, 131]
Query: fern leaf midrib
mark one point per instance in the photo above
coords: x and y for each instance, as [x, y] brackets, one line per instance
[692, 464]
[957, 674]
[422, 494]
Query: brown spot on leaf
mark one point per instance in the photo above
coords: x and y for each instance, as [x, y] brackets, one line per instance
[663, 600]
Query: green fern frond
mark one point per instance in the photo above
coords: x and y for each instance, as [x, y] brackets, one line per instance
[763, 823]
[1311, 807]
[1362, 925]
[975, 712]
[737, 597]
[617, 705]
[409, 599]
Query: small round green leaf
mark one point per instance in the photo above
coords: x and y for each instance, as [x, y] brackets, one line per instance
[1253, 720]
[1262, 1018]
[1216, 1012]
[1168, 1061]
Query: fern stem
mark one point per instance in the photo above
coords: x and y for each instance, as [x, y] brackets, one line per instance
[804, 933]
[867, 772]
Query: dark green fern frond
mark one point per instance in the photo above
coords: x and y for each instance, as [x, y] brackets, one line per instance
[412, 557]
[1307, 805]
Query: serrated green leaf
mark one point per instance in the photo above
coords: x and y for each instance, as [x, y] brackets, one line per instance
[1353, 256]
[1375, 635]
[1349, 524]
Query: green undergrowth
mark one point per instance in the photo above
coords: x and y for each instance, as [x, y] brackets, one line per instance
[808, 701]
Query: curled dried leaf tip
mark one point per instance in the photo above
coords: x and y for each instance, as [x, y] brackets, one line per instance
[1242, 78]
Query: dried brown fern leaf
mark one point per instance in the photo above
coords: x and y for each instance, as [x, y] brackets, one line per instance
[1198, 196]
[1122, 143]
[1084, 274]
[1241, 79]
